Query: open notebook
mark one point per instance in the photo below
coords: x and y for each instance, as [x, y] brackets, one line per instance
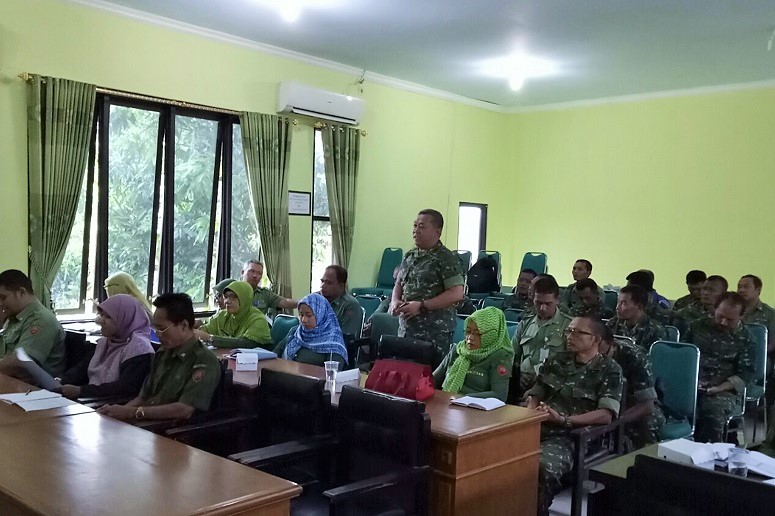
[36, 400]
[478, 403]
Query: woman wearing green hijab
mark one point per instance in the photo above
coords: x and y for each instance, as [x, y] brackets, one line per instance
[240, 325]
[481, 364]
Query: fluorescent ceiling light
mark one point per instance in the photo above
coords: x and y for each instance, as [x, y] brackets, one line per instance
[291, 10]
[517, 68]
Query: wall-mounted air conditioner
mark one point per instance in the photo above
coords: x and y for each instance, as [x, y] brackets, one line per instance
[298, 98]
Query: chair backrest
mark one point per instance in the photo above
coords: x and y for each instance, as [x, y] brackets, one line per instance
[76, 347]
[460, 328]
[496, 255]
[369, 303]
[465, 260]
[672, 334]
[759, 332]
[391, 258]
[513, 314]
[383, 324]
[282, 325]
[292, 407]
[676, 366]
[536, 261]
[223, 395]
[403, 348]
[495, 301]
[610, 298]
[511, 327]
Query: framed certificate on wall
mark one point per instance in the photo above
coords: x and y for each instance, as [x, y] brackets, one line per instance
[299, 203]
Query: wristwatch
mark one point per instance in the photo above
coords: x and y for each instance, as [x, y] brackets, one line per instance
[139, 413]
[566, 422]
[423, 308]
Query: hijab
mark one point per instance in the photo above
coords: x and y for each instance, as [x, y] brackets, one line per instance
[325, 338]
[132, 338]
[249, 322]
[122, 283]
[218, 288]
[491, 323]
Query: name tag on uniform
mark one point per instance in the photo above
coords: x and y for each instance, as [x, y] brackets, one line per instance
[543, 354]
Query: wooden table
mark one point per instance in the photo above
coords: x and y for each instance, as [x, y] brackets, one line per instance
[92, 464]
[483, 462]
[11, 414]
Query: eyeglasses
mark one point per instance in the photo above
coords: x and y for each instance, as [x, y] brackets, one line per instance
[474, 333]
[159, 331]
[571, 331]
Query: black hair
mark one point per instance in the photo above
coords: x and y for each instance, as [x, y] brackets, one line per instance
[586, 263]
[178, 306]
[642, 279]
[340, 272]
[529, 271]
[597, 326]
[695, 276]
[547, 285]
[437, 219]
[719, 279]
[586, 283]
[637, 293]
[14, 279]
[757, 281]
[733, 298]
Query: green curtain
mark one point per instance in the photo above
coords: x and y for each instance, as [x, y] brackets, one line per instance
[60, 114]
[266, 144]
[341, 148]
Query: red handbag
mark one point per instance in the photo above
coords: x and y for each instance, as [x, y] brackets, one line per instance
[399, 378]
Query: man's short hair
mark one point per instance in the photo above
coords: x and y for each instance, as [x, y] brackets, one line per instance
[586, 283]
[247, 264]
[695, 276]
[641, 278]
[719, 279]
[587, 263]
[178, 306]
[733, 298]
[757, 281]
[637, 293]
[596, 325]
[437, 219]
[340, 272]
[547, 285]
[14, 279]
[529, 271]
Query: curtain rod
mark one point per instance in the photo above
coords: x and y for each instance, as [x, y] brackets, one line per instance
[26, 77]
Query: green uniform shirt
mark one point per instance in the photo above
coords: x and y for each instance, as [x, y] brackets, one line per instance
[572, 388]
[724, 354]
[264, 299]
[36, 330]
[763, 314]
[636, 369]
[348, 313]
[599, 310]
[535, 340]
[188, 374]
[424, 275]
[488, 378]
[683, 302]
[516, 302]
[569, 298]
[645, 332]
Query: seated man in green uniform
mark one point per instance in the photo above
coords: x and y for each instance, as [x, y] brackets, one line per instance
[480, 365]
[694, 281]
[333, 287]
[29, 326]
[519, 300]
[727, 357]
[578, 387]
[539, 336]
[590, 301]
[631, 319]
[185, 373]
[750, 287]
[263, 298]
[643, 415]
[582, 269]
[710, 293]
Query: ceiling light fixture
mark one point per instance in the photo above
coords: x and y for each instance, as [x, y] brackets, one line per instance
[518, 68]
[291, 10]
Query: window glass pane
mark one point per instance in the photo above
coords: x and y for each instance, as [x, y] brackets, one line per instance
[131, 169]
[469, 230]
[245, 241]
[66, 290]
[195, 140]
[322, 251]
[319, 188]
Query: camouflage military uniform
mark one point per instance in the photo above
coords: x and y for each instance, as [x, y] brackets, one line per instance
[570, 389]
[644, 333]
[687, 315]
[534, 341]
[569, 298]
[640, 387]
[424, 275]
[516, 302]
[683, 302]
[600, 310]
[188, 374]
[724, 356]
[763, 314]
[656, 310]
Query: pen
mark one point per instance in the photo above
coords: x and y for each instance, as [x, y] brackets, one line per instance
[28, 391]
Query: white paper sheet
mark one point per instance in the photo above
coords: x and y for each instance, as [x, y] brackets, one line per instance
[44, 404]
[31, 396]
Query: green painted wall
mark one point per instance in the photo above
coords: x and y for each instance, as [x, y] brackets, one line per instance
[667, 184]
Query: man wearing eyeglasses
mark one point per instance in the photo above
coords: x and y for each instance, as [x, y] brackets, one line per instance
[185, 373]
[577, 387]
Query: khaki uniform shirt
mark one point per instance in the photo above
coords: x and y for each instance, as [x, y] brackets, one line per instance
[36, 330]
[348, 313]
[264, 299]
[188, 374]
[535, 340]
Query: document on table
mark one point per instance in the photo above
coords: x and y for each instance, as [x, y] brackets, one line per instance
[36, 400]
[41, 377]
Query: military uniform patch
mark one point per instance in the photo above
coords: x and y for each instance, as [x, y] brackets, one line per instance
[502, 370]
[198, 374]
[34, 329]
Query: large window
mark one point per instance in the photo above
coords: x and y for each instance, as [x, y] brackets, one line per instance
[322, 247]
[165, 199]
[472, 228]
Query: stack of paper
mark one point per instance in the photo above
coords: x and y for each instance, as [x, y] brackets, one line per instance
[36, 400]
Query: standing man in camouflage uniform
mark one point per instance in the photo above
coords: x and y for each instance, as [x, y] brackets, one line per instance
[694, 281]
[519, 299]
[726, 365]
[539, 336]
[430, 283]
[263, 298]
[643, 415]
[710, 293]
[578, 387]
[185, 373]
[582, 269]
[631, 319]
[590, 301]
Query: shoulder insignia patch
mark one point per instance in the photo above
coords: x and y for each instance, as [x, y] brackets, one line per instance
[198, 374]
[502, 370]
[34, 329]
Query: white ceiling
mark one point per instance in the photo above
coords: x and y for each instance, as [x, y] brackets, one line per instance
[601, 49]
